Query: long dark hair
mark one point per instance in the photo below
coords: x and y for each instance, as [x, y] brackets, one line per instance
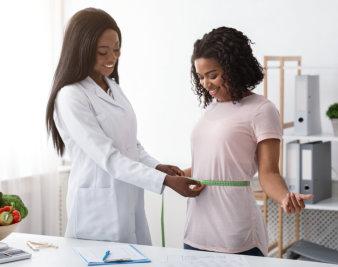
[231, 49]
[77, 58]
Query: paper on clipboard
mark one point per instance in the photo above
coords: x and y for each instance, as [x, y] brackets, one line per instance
[120, 253]
[223, 260]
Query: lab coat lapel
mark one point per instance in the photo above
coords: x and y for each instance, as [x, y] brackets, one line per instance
[102, 94]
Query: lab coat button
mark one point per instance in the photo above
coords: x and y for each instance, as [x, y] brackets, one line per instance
[125, 117]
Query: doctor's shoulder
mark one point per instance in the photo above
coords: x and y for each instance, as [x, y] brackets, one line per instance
[70, 93]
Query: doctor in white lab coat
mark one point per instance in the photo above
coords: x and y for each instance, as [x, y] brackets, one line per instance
[90, 117]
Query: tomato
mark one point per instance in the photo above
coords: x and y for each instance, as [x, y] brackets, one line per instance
[16, 216]
[6, 208]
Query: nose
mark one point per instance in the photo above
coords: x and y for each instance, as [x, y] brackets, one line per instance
[114, 56]
[206, 83]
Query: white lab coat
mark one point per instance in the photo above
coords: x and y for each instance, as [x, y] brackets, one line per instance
[110, 168]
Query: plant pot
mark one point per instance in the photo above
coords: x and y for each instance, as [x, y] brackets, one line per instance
[335, 126]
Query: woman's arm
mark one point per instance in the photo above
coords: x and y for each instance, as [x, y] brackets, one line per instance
[271, 181]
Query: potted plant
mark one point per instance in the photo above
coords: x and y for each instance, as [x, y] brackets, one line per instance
[332, 113]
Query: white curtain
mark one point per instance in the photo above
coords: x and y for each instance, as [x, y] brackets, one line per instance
[31, 33]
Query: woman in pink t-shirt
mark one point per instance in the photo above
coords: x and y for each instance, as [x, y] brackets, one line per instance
[238, 135]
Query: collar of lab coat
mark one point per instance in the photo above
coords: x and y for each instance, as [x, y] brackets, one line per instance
[91, 85]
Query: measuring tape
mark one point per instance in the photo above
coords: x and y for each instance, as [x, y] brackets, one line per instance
[205, 182]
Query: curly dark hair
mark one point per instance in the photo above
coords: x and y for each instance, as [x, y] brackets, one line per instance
[231, 49]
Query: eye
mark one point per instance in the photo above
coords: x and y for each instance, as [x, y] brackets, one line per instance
[116, 50]
[102, 53]
[213, 77]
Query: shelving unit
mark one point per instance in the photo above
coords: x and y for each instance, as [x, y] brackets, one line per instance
[330, 204]
[285, 125]
[320, 137]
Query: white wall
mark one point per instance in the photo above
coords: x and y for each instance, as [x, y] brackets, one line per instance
[157, 43]
[28, 33]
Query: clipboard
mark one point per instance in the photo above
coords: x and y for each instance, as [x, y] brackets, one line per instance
[119, 254]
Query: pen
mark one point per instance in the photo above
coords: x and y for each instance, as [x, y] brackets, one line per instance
[106, 255]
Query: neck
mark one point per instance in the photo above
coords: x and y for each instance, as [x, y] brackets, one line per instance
[228, 98]
[100, 81]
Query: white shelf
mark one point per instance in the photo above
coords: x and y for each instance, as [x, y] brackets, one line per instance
[317, 137]
[330, 204]
[326, 204]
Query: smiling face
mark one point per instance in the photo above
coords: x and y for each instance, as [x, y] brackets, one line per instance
[210, 72]
[107, 54]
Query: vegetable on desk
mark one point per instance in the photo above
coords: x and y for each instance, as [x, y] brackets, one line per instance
[7, 200]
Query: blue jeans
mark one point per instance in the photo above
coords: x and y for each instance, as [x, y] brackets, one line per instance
[251, 252]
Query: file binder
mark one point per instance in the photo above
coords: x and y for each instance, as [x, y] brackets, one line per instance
[292, 178]
[315, 171]
[307, 109]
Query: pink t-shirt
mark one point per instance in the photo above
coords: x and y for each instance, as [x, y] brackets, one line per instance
[224, 147]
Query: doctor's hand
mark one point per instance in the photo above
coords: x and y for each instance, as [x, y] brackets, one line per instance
[169, 169]
[294, 203]
[184, 186]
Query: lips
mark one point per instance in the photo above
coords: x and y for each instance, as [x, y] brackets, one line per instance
[213, 92]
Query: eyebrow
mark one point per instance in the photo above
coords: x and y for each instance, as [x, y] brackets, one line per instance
[210, 71]
[106, 46]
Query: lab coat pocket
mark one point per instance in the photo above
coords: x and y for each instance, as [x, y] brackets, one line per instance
[96, 214]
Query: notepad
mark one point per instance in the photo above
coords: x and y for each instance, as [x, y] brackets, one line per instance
[118, 254]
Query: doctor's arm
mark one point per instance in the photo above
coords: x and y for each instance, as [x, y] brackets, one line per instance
[187, 172]
[145, 158]
[73, 115]
[271, 181]
[148, 160]
[182, 185]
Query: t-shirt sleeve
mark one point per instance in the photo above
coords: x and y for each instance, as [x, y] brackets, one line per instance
[266, 123]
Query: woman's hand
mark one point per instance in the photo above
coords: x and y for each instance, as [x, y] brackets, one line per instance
[184, 186]
[170, 170]
[294, 203]
[271, 181]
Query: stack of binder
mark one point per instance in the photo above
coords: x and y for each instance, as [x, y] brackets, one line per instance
[308, 169]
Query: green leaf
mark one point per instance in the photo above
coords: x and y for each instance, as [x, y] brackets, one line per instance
[332, 111]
